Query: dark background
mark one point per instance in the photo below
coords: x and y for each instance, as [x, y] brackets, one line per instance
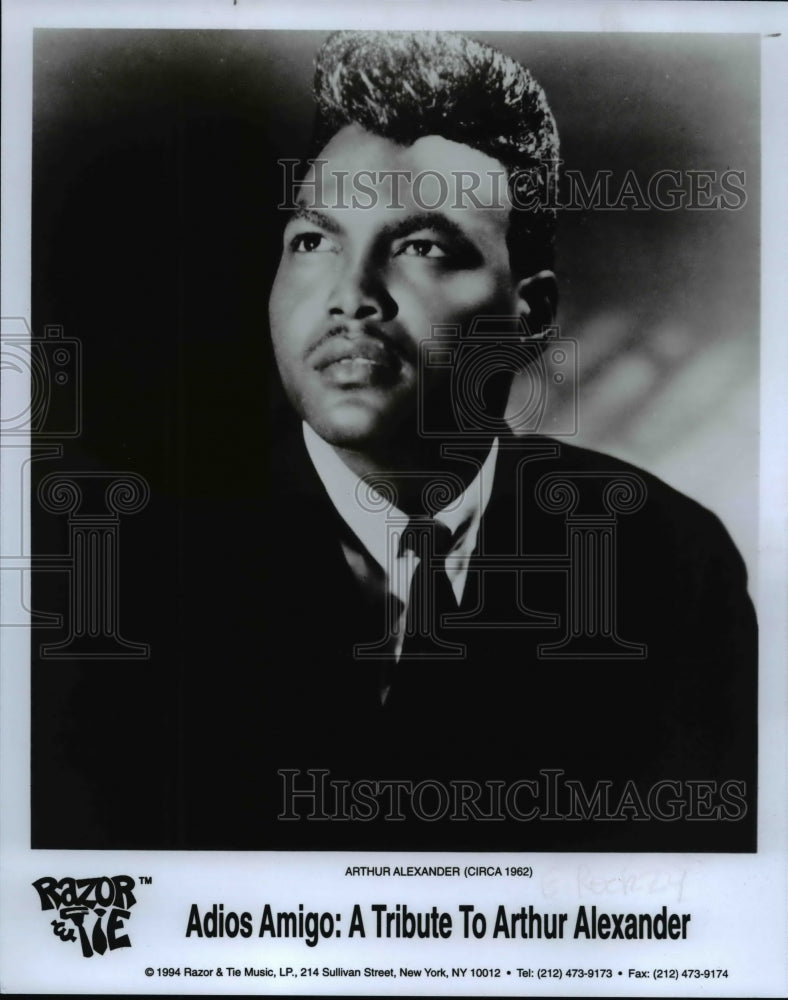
[155, 241]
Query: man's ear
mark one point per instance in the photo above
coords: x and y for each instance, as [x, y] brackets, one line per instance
[536, 302]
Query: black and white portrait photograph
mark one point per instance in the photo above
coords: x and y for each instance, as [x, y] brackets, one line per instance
[393, 496]
[430, 360]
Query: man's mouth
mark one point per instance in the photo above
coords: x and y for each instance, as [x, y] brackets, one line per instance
[357, 361]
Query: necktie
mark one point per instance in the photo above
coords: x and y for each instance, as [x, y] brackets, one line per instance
[431, 594]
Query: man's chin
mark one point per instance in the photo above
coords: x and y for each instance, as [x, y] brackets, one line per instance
[355, 429]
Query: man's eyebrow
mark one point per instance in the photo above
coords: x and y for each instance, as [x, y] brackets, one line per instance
[429, 220]
[316, 218]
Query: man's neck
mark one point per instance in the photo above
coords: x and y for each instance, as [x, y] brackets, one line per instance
[408, 470]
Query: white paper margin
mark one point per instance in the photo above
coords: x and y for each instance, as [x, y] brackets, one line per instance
[738, 902]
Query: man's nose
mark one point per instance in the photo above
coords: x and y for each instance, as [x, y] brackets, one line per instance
[360, 293]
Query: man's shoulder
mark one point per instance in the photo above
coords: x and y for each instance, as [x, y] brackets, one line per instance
[616, 481]
[567, 457]
[557, 479]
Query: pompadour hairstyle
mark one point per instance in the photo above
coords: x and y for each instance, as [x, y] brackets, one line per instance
[405, 85]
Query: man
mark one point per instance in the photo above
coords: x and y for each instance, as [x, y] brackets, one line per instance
[393, 619]
[470, 638]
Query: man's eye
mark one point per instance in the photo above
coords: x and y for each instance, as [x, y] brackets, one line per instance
[311, 243]
[422, 248]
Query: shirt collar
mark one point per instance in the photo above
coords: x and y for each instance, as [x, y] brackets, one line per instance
[368, 519]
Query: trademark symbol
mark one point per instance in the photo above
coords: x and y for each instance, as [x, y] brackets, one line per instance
[146, 880]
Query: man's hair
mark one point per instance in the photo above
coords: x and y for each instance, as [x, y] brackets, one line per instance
[405, 85]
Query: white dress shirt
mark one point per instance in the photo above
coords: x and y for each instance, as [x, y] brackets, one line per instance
[377, 561]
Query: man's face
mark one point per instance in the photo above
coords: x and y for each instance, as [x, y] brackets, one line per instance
[360, 288]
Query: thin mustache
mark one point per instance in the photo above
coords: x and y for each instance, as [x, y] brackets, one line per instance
[352, 333]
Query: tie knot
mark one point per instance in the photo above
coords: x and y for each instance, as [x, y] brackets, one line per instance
[425, 535]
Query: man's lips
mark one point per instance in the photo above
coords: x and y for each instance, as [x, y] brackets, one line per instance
[364, 349]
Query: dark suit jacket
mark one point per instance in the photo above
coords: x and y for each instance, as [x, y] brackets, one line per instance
[253, 673]
[673, 700]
